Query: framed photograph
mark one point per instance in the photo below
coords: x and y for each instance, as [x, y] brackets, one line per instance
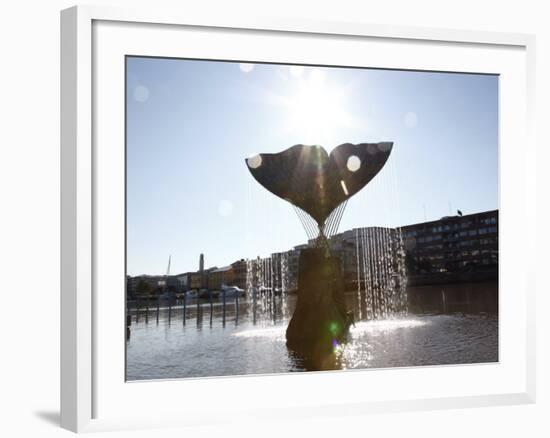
[291, 217]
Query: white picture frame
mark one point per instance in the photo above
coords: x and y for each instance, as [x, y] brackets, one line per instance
[93, 397]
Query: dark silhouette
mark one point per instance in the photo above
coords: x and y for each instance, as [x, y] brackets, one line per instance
[319, 185]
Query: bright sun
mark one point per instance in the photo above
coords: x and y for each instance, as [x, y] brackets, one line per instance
[317, 110]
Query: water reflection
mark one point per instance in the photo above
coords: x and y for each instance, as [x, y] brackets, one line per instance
[385, 325]
[342, 356]
[273, 333]
[211, 342]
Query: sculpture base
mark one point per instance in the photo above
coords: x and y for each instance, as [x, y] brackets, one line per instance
[320, 320]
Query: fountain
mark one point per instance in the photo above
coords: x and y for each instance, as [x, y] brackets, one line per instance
[319, 186]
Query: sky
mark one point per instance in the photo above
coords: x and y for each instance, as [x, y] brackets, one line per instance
[190, 125]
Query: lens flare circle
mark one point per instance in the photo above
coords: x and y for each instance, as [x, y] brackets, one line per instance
[255, 161]
[354, 163]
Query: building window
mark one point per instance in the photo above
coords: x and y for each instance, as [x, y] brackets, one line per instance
[489, 220]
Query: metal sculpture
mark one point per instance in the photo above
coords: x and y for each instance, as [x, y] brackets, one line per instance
[319, 186]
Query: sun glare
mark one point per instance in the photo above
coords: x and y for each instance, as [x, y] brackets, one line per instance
[317, 109]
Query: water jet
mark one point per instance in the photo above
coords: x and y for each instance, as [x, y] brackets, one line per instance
[318, 186]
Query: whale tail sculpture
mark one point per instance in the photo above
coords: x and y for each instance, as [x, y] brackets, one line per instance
[319, 186]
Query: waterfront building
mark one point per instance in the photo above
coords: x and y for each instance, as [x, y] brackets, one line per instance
[453, 244]
[239, 273]
[195, 280]
[182, 282]
[219, 277]
[144, 285]
[461, 248]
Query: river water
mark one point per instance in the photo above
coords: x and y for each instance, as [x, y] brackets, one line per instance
[212, 345]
